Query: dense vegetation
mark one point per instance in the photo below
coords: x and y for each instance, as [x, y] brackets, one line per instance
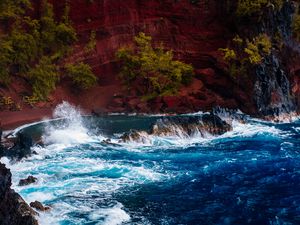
[245, 53]
[296, 25]
[251, 7]
[34, 48]
[153, 70]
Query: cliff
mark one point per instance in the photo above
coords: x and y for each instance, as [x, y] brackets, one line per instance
[194, 30]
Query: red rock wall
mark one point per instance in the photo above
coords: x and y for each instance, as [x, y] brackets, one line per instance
[192, 31]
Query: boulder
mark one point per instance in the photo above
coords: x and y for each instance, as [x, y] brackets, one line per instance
[27, 181]
[39, 206]
[22, 147]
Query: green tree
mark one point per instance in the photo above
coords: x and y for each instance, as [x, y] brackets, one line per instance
[82, 75]
[153, 68]
[246, 8]
[43, 78]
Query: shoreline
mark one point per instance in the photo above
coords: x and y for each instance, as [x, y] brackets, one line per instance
[11, 120]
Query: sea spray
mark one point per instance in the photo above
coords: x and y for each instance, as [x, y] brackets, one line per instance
[70, 129]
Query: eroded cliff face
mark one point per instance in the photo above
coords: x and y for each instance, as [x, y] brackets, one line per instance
[194, 32]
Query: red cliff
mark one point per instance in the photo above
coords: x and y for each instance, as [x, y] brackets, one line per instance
[194, 31]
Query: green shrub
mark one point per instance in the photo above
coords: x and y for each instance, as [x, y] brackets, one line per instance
[245, 53]
[81, 75]
[34, 47]
[91, 45]
[25, 49]
[11, 9]
[246, 8]
[153, 68]
[43, 77]
[296, 26]
[258, 48]
[6, 52]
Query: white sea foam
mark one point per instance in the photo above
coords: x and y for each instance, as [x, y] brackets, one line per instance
[112, 216]
[71, 130]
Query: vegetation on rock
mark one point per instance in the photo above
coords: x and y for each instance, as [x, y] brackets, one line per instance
[154, 70]
[245, 53]
[246, 8]
[296, 26]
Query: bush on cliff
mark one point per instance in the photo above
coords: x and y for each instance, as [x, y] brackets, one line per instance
[243, 54]
[43, 77]
[153, 70]
[33, 48]
[296, 26]
[81, 75]
[246, 8]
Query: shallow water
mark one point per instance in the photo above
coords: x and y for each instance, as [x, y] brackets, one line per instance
[250, 175]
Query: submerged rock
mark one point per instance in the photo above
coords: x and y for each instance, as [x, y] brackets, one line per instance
[27, 181]
[39, 206]
[13, 209]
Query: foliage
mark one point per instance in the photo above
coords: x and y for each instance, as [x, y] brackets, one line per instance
[296, 26]
[11, 9]
[43, 77]
[258, 48]
[153, 68]
[91, 45]
[6, 51]
[81, 75]
[246, 53]
[32, 48]
[24, 48]
[246, 8]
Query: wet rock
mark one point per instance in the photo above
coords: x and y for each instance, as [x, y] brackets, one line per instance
[136, 136]
[39, 206]
[22, 147]
[215, 125]
[180, 126]
[13, 209]
[27, 181]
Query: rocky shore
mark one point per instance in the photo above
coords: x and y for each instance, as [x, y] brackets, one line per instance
[13, 209]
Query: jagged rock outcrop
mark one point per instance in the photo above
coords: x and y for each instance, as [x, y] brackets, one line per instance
[183, 127]
[27, 181]
[272, 80]
[13, 209]
[21, 147]
[39, 206]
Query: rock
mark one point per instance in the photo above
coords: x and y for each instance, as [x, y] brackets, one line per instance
[27, 181]
[215, 125]
[39, 206]
[13, 209]
[136, 136]
[21, 148]
[181, 127]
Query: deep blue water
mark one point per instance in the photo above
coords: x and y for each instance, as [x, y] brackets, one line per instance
[250, 175]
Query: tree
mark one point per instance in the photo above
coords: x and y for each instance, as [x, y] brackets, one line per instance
[154, 69]
[43, 78]
[81, 75]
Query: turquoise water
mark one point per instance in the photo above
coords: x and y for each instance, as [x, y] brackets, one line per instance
[250, 175]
